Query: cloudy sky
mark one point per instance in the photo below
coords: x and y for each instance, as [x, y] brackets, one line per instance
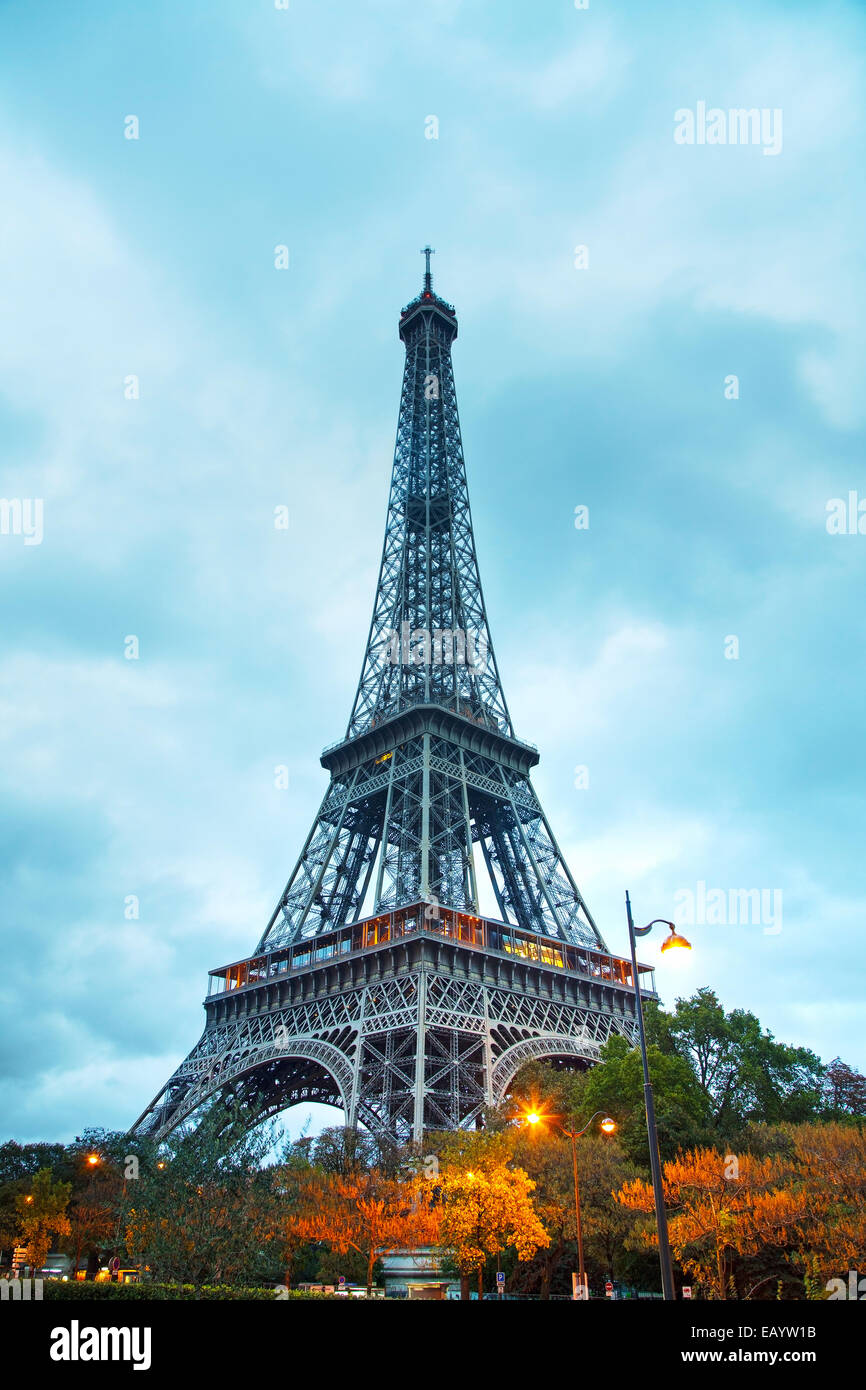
[602, 386]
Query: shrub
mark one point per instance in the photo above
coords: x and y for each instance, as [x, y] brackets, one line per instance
[84, 1292]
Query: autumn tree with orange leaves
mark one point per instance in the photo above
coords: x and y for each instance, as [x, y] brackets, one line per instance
[483, 1212]
[362, 1211]
[830, 1169]
[718, 1206]
[485, 1202]
[807, 1200]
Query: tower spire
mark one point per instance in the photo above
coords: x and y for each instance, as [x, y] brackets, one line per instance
[428, 251]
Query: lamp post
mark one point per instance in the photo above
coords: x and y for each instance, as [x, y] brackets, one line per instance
[608, 1126]
[674, 940]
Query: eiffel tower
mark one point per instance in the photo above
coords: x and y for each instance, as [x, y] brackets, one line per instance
[379, 985]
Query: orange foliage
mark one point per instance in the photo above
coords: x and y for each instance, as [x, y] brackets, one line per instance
[365, 1212]
[809, 1200]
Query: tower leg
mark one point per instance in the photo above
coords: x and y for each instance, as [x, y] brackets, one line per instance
[355, 1096]
[488, 1055]
[420, 1061]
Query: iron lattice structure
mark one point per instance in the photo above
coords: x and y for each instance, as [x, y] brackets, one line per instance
[377, 984]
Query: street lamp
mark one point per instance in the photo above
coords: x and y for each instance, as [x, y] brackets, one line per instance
[608, 1126]
[674, 940]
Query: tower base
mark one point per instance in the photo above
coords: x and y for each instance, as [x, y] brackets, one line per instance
[410, 1021]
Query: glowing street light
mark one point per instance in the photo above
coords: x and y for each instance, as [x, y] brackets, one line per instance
[608, 1126]
[672, 942]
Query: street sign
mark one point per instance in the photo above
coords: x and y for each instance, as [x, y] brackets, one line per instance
[500, 1278]
[687, 1290]
[342, 1281]
[608, 1289]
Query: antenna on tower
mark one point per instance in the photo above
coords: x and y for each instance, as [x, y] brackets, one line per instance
[428, 251]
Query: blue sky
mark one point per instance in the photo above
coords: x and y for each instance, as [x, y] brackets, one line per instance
[602, 387]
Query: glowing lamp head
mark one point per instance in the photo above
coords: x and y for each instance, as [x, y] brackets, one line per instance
[608, 1125]
[92, 1159]
[532, 1118]
[28, 1199]
[675, 940]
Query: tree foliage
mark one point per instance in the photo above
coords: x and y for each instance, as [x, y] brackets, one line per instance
[42, 1215]
[197, 1210]
[805, 1200]
[486, 1209]
[844, 1090]
[743, 1072]
[364, 1212]
[603, 1167]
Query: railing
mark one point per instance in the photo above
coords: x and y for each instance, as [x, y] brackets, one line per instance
[481, 933]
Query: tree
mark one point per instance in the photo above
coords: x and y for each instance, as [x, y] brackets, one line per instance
[19, 1161]
[341, 1149]
[546, 1158]
[485, 1204]
[799, 1203]
[711, 1211]
[364, 1212]
[195, 1212]
[607, 1225]
[844, 1090]
[97, 1196]
[831, 1178]
[615, 1086]
[42, 1214]
[743, 1072]
[603, 1168]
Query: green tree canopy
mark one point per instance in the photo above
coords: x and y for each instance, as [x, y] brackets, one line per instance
[197, 1210]
[743, 1072]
